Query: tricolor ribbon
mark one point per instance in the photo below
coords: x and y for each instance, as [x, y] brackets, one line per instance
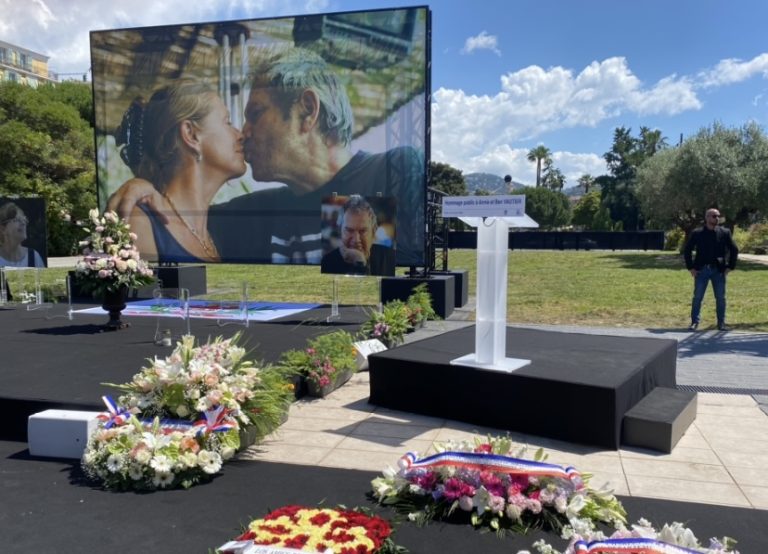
[630, 546]
[116, 415]
[215, 420]
[491, 462]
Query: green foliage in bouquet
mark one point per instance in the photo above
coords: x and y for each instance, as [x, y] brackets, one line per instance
[323, 359]
[420, 305]
[390, 324]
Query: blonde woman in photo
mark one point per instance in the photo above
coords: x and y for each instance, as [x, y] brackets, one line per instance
[182, 142]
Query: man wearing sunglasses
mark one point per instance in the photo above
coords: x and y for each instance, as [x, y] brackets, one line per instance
[716, 255]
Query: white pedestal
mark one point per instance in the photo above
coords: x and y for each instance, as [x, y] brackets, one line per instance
[506, 365]
[60, 433]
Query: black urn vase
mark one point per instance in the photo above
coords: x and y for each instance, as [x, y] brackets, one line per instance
[113, 303]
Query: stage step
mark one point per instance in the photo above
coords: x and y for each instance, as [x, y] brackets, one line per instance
[659, 420]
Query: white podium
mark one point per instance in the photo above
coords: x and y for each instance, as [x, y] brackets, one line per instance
[491, 296]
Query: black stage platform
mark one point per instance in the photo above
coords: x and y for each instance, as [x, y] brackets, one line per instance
[577, 387]
[47, 507]
[60, 364]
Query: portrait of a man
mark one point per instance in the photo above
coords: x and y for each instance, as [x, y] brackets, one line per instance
[361, 245]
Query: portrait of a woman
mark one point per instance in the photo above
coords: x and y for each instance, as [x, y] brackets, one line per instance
[13, 233]
[182, 142]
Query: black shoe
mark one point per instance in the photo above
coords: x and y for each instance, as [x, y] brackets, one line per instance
[723, 327]
[693, 326]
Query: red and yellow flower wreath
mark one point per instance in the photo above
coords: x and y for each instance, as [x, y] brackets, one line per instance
[319, 529]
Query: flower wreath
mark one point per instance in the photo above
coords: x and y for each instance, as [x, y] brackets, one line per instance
[489, 483]
[181, 417]
[320, 530]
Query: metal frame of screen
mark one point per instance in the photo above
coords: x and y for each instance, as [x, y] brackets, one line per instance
[382, 58]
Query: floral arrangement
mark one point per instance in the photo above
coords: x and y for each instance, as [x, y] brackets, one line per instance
[144, 456]
[324, 359]
[640, 537]
[489, 483]
[419, 305]
[390, 324]
[319, 530]
[110, 258]
[199, 400]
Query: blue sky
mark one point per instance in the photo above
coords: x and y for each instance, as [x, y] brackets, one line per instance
[508, 75]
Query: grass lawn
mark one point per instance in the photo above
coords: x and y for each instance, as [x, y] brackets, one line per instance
[624, 289]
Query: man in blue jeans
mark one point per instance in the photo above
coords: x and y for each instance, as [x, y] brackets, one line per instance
[716, 255]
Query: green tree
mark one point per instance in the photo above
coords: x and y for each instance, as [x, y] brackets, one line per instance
[539, 155]
[718, 167]
[626, 155]
[552, 177]
[48, 152]
[590, 214]
[586, 181]
[451, 181]
[448, 179]
[482, 192]
[550, 209]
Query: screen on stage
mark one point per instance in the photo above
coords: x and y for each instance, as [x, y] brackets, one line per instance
[220, 141]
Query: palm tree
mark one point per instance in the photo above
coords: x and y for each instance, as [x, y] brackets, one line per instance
[651, 141]
[539, 154]
[586, 181]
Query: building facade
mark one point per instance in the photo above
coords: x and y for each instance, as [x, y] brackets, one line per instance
[24, 66]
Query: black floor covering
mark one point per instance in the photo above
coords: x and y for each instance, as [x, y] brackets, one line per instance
[57, 363]
[47, 507]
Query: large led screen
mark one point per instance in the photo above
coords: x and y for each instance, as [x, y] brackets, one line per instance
[220, 141]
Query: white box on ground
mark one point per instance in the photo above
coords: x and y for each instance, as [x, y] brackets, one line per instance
[60, 433]
[366, 347]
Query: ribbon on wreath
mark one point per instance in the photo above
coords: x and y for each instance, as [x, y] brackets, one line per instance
[215, 420]
[488, 462]
[630, 546]
[115, 415]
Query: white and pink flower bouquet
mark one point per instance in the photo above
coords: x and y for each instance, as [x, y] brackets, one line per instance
[201, 400]
[110, 258]
[672, 538]
[492, 483]
[143, 455]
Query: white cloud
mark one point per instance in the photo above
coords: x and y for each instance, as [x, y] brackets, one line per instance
[733, 70]
[505, 160]
[483, 41]
[60, 28]
[534, 101]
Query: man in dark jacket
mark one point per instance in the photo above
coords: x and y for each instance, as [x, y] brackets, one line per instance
[716, 255]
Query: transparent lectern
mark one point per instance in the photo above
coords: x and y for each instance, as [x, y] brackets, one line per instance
[491, 296]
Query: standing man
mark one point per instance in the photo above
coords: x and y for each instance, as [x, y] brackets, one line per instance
[716, 255]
